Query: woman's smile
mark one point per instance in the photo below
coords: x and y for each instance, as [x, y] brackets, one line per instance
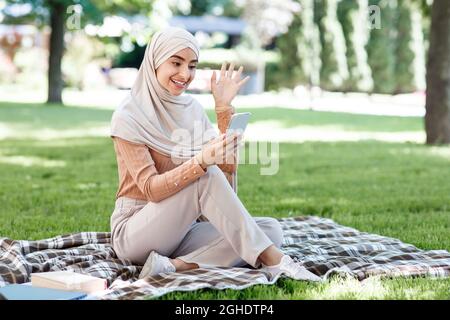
[179, 84]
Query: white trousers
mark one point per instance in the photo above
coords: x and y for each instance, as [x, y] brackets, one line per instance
[231, 237]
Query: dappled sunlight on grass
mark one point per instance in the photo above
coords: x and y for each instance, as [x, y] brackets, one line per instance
[29, 161]
[348, 288]
[21, 132]
[300, 201]
[377, 287]
[274, 131]
[416, 294]
[58, 143]
[91, 186]
[442, 152]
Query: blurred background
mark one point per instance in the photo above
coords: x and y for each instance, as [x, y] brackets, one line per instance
[364, 57]
[302, 48]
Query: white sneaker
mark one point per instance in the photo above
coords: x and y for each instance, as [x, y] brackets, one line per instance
[156, 264]
[292, 269]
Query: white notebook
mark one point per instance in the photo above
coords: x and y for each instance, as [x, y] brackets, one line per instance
[68, 280]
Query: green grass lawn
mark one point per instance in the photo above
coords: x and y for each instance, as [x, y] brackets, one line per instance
[401, 190]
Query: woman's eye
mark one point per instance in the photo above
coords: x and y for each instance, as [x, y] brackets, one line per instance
[192, 67]
[177, 64]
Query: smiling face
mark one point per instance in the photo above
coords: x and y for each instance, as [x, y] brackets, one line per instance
[176, 73]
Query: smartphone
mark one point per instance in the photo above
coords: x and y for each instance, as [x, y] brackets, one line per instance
[238, 122]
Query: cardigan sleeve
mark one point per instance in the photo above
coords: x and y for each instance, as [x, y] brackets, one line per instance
[155, 187]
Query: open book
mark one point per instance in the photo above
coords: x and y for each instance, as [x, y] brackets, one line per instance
[68, 280]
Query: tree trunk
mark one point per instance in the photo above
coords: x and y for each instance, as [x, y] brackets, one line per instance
[55, 83]
[437, 118]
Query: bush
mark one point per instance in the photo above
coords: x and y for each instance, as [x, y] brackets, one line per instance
[334, 70]
[132, 59]
[32, 66]
[409, 50]
[213, 58]
[80, 55]
[381, 48]
[249, 59]
[353, 17]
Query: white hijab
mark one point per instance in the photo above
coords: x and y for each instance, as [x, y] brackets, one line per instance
[175, 126]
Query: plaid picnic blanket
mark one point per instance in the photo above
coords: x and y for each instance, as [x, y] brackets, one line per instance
[325, 247]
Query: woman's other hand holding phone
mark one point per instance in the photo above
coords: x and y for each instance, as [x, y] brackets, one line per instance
[220, 150]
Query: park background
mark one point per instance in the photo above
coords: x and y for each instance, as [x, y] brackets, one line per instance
[355, 92]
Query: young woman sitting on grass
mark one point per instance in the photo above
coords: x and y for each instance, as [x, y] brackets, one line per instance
[176, 208]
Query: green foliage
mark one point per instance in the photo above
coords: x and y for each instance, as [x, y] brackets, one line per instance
[213, 58]
[396, 51]
[410, 49]
[82, 52]
[404, 70]
[299, 50]
[381, 48]
[334, 70]
[288, 73]
[425, 6]
[205, 7]
[353, 18]
[273, 77]
[327, 44]
[352, 56]
[346, 11]
[93, 10]
[131, 59]
[227, 8]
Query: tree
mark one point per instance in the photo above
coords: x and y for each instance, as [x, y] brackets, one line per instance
[290, 71]
[353, 17]
[437, 117]
[300, 49]
[58, 12]
[225, 8]
[409, 52]
[334, 71]
[308, 45]
[381, 48]
[265, 20]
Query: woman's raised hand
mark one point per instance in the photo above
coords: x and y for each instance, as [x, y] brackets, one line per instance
[228, 86]
[219, 150]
